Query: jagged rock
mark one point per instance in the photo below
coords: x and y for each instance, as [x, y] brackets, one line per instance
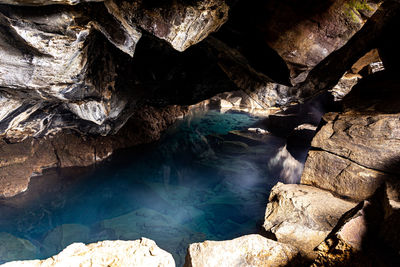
[302, 215]
[143, 252]
[54, 64]
[12, 248]
[329, 71]
[180, 23]
[357, 241]
[257, 85]
[250, 250]
[303, 33]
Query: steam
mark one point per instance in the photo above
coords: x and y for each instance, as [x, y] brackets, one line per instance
[291, 168]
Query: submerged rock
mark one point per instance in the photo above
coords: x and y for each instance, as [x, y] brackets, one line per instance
[302, 215]
[12, 248]
[249, 250]
[64, 235]
[143, 252]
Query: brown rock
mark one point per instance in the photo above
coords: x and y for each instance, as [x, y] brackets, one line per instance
[353, 153]
[180, 23]
[356, 240]
[302, 215]
[305, 33]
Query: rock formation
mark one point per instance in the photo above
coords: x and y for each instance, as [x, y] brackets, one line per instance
[143, 252]
[302, 215]
[80, 79]
[250, 250]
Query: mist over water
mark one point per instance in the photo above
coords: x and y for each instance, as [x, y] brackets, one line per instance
[200, 182]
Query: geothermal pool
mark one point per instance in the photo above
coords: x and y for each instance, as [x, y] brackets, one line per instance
[200, 182]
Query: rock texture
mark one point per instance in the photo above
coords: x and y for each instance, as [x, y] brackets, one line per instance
[302, 215]
[143, 252]
[302, 33]
[180, 23]
[54, 65]
[250, 250]
[326, 75]
[357, 238]
[358, 149]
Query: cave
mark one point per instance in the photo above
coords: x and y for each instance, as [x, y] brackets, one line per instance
[199, 133]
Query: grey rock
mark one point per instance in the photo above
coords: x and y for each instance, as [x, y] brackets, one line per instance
[354, 153]
[53, 66]
[302, 215]
[249, 250]
[180, 23]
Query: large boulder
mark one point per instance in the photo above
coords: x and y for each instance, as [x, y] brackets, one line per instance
[352, 154]
[143, 252]
[302, 215]
[249, 250]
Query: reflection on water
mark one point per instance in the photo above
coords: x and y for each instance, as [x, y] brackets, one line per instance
[200, 182]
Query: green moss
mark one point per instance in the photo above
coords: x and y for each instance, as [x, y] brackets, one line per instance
[353, 8]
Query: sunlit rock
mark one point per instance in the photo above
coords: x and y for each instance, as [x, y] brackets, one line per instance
[12, 248]
[143, 252]
[302, 215]
[51, 64]
[180, 23]
[356, 153]
[250, 250]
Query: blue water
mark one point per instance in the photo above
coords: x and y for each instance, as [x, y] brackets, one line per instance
[200, 182]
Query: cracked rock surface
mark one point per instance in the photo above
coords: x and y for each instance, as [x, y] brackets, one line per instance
[303, 215]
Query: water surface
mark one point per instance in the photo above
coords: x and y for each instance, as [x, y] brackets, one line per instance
[200, 182]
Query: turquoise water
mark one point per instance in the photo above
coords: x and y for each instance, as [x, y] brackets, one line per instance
[200, 182]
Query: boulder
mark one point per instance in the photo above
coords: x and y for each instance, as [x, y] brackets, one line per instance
[302, 215]
[357, 239]
[143, 252]
[249, 250]
[353, 153]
